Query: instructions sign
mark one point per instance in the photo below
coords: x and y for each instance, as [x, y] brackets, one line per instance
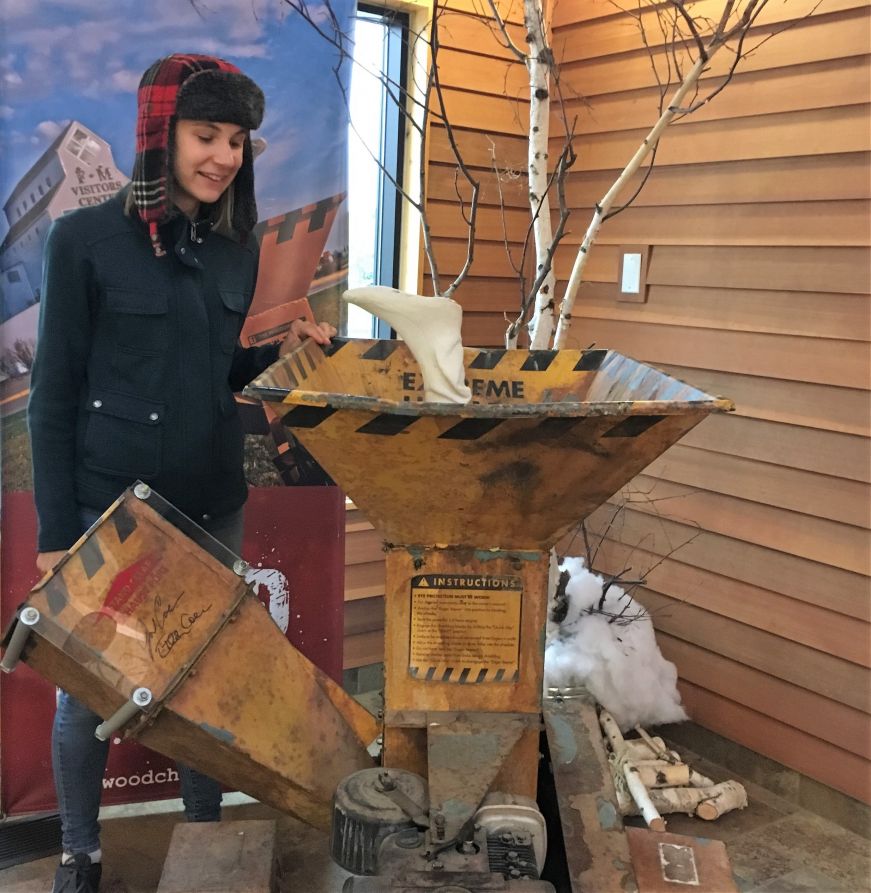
[465, 628]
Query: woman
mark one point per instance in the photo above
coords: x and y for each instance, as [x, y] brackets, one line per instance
[143, 299]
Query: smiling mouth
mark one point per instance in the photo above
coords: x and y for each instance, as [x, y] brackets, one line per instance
[213, 178]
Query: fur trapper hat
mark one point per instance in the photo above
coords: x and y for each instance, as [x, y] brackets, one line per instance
[196, 87]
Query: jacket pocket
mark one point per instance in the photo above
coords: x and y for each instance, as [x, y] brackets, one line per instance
[123, 435]
[140, 320]
[235, 307]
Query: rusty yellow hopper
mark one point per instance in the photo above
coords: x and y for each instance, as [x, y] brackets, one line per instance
[548, 437]
[469, 499]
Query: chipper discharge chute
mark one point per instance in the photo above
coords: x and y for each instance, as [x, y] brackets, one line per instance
[469, 498]
[166, 641]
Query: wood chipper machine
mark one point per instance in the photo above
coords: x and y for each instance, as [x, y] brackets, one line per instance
[155, 634]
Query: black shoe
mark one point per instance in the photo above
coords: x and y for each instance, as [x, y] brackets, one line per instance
[78, 876]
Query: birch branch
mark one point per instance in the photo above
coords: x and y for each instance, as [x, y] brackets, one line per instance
[604, 205]
[720, 37]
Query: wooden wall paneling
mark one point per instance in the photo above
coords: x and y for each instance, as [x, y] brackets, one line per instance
[464, 68]
[815, 132]
[363, 649]
[492, 114]
[364, 615]
[839, 363]
[808, 178]
[759, 278]
[491, 224]
[822, 452]
[487, 294]
[510, 192]
[827, 84]
[809, 536]
[794, 403]
[361, 539]
[809, 314]
[621, 34]
[832, 677]
[811, 224]
[478, 148]
[827, 269]
[826, 37]
[364, 632]
[790, 619]
[838, 724]
[809, 493]
[833, 766]
[509, 10]
[364, 580]
[490, 257]
[795, 576]
[566, 14]
[466, 30]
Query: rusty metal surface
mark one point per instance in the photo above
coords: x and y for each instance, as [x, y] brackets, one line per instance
[464, 757]
[597, 850]
[666, 862]
[138, 604]
[549, 436]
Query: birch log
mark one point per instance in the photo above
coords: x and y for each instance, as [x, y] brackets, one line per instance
[706, 803]
[643, 799]
[729, 795]
[665, 774]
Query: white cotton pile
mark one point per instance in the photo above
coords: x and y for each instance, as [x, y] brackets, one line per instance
[619, 662]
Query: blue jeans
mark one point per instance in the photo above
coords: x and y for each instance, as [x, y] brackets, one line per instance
[79, 758]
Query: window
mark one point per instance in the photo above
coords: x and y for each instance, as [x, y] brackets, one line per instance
[13, 276]
[82, 146]
[375, 158]
[41, 192]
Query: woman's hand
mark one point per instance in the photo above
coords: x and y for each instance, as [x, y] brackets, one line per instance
[319, 332]
[45, 561]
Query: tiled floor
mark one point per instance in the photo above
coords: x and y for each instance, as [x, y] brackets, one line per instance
[774, 847]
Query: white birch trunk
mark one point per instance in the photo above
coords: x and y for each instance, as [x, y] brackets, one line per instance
[612, 733]
[604, 206]
[538, 66]
[664, 774]
[642, 798]
[706, 803]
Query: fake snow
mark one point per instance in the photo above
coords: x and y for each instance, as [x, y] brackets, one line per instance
[618, 662]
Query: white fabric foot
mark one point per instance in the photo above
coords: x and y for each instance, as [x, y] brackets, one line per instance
[431, 328]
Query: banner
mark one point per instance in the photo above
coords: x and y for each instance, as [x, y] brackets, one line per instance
[67, 138]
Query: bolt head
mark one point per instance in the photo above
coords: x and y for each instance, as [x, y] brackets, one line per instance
[29, 616]
[142, 697]
[240, 567]
[142, 491]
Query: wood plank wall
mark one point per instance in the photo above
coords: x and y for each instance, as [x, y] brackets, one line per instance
[757, 217]
[758, 220]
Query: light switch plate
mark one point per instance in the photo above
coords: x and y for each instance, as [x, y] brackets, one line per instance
[632, 274]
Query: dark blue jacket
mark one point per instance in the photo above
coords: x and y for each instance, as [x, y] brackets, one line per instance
[137, 359]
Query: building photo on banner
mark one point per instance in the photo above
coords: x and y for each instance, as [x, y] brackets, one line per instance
[70, 74]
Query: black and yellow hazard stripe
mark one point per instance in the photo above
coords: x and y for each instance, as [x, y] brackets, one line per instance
[470, 675]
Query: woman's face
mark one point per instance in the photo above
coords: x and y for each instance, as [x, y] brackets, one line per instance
[207, 158]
